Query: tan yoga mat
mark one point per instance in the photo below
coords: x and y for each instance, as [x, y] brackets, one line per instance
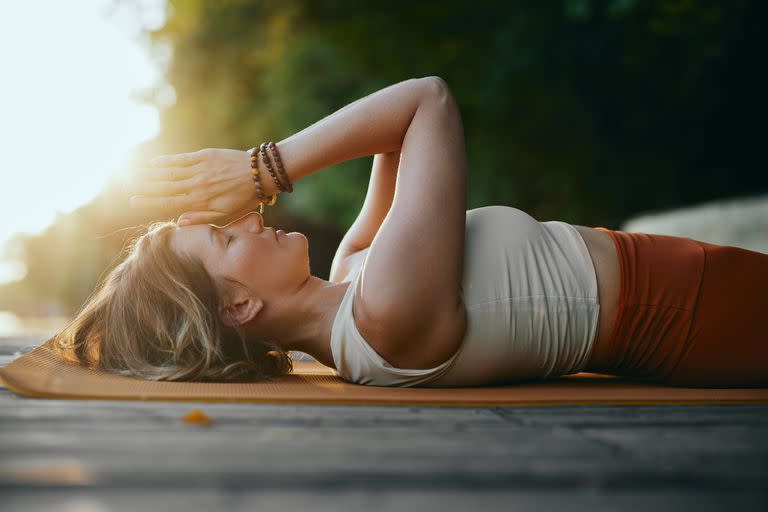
[40, 374]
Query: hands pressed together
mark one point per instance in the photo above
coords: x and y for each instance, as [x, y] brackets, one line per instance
[210, 185]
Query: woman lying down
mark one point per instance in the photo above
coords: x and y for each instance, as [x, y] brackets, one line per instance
[421, 292]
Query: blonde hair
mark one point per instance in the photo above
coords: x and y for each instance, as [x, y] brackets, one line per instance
[155, 316]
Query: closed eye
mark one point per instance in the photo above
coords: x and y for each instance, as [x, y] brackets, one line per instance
[229, 239]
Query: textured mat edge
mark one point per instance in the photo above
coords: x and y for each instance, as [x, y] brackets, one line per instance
[498, 403]
[760, 396]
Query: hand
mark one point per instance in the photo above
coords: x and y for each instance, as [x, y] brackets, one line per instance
[212, 185]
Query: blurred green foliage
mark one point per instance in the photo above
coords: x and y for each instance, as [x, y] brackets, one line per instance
[586, 111]
[570, 107]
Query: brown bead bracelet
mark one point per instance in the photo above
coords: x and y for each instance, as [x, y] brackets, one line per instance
[257, 181]
[279, 164]
[268, 165]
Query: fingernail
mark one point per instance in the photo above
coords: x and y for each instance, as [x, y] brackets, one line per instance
[183, 222]
[156, 160]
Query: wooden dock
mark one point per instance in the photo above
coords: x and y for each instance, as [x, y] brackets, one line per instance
[108, 455]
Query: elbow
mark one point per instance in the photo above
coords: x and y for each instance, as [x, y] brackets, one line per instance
[436, 87]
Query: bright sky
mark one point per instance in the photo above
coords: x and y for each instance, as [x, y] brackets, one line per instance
[67, 118]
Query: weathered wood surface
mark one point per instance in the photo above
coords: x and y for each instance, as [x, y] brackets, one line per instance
[110, 455]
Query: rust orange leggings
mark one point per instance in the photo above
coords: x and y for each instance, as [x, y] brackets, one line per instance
[690, 313]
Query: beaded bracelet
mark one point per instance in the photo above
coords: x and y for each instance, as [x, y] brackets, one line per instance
[268, 165]
[257, 181]
[279, 164]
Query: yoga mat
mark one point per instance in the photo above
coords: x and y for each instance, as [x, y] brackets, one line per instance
[40, 374]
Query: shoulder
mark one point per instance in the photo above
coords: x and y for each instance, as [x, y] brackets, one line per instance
[415, 343]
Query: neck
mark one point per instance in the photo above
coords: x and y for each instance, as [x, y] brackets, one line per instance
[302, 319]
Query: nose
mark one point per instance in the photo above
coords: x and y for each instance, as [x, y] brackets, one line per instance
[252, 222]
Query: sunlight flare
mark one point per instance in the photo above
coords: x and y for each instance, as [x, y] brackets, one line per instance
[69, 122]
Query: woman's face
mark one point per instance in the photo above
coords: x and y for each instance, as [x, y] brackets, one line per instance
[267, 263]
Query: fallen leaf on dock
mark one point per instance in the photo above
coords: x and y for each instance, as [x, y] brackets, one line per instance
[196, 417]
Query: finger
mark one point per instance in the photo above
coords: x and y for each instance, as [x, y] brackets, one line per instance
[163, 188]
[168, 173]
[164, 203]
[176, 160]
[189, 218]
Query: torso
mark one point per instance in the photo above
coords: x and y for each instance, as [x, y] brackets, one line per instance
[606, 261]
[603, 252]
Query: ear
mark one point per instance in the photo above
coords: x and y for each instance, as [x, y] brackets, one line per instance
[240, 312]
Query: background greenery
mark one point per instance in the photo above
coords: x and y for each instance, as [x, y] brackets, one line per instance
[587, 111]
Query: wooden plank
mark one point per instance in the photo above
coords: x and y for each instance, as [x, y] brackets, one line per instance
[373, 501]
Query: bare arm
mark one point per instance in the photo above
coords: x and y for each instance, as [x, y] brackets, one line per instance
[215, 184]
[378, 200]
[412, 310]
[374, 124]
[408, 306]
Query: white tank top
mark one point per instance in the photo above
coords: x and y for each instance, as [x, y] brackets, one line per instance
[530, 291]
